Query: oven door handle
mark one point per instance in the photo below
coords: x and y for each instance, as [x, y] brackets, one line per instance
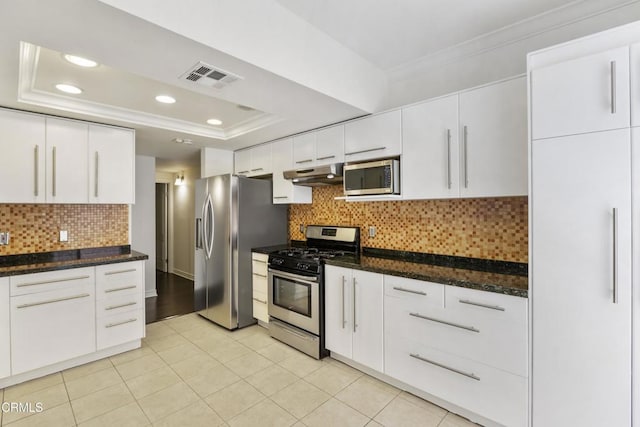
[286, 275]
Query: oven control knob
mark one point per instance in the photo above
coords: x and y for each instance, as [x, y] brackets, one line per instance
[302, 266]
[278, 261]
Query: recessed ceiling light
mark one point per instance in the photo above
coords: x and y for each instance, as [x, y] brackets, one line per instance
[165, 99]
[68, 88]
[80, 61]
[214, 122]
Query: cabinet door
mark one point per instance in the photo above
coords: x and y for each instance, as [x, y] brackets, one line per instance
[338, 310]
[22, 144]
[304, 150]
[283, 189]
[330, 145]
[260, 160]
[111, 165]
[5, 332]
[373, 137]
[430, 150]
[582, 95]
[67, 161]
[493, 126]
[368, 319]
[635, 84]
[242, 162]
[581, 259]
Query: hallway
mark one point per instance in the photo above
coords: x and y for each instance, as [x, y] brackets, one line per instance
[175, 297]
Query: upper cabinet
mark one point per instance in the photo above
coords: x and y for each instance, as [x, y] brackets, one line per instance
[53, 160]
[242, 162]
[635, 84]
[111, 165]
[373, 137]
[430, 150]
[582, 95]
[493, 140]
[284, 191]
[254, 161]
[22, 143]
[319, 148]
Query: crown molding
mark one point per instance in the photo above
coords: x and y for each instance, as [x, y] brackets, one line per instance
[27, 94]
[546, 22]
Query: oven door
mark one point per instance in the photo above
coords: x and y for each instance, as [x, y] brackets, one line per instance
[295, 299]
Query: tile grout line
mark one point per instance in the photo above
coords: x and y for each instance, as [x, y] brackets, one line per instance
[73, 413]
[128, 389]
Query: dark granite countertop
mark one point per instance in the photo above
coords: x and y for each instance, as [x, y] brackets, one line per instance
[12, 265]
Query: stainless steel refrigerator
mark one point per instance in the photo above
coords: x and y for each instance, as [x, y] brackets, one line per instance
[233, 215]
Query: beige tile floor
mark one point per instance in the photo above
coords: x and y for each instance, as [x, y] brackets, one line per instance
[190, 372]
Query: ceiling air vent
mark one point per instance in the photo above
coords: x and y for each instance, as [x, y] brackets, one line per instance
[210, 76]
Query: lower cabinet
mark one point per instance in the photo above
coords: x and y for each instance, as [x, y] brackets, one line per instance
[353, 315]
[5, 332]
[50, 326]
[259, 272]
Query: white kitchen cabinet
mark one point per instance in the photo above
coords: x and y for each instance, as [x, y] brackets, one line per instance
[50, 326]
[5, 331]
[22, 144]
[430, 153]
[283, 189]
[587, 94]
[493, 140]
[242, 162]
[259, 272]
[111, 165]
[261, 160]
[330, 145]
[354, 315]
[581, 278]
[304, 150]
[634, 70]
[67, 162]
[373, 137]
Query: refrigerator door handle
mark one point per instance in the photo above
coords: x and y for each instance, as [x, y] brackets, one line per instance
[208, 226]
[198, 233]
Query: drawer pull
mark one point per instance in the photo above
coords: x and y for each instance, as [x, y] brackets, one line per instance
[22, 285]
[411, 291]
[492, 307]
[260, 261]
[440, 365]
[280, 197]
[260, 275]
[455, 325]
[113, 307]
[106, 291]
[111, 325]
[51, 301]
[259, 300]
[305, 161]
[109, 273]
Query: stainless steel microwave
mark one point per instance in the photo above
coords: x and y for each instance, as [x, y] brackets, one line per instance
[379, 177]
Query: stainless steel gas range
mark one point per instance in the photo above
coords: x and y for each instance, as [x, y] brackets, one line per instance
[296, 286]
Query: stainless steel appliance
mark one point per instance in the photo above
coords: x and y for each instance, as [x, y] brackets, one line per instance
[296, 286]
[315, 176]
[379, 177]
[233, 215]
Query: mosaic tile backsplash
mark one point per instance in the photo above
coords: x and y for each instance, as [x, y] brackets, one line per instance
[35, 228]
[489, 228]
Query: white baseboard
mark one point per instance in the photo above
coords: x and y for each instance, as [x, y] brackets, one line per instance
[151, 293]
[183, 274]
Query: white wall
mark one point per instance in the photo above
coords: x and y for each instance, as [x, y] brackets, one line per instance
[143, 219]
[214, 162]
[184, 224]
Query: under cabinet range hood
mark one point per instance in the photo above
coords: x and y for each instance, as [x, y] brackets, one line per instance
[315, 176]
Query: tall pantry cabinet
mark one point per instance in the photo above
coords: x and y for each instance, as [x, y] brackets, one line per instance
[583, 212]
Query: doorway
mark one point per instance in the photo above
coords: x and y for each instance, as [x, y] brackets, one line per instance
[162, 227]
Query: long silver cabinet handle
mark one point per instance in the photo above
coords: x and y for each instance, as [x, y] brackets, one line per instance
[111, 325]
[344, 322]
[243, 171]
[411, 291]
[444, 322]
[449, 368]
[257, 169]
[466, 155]
[259, 300]
[96, 175]
[36, 157]
[449, 158]
[280, 197]
[492, 307]
[613, 87]
[354, 305]
[260, 261]
[260, 275]
[615, 255]
[129, 270]
[124, 288]
[326, 157]
[365, 151]
[52, 301]
[45, 282]
[305, 161]
[53, 173]
[113, 307]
